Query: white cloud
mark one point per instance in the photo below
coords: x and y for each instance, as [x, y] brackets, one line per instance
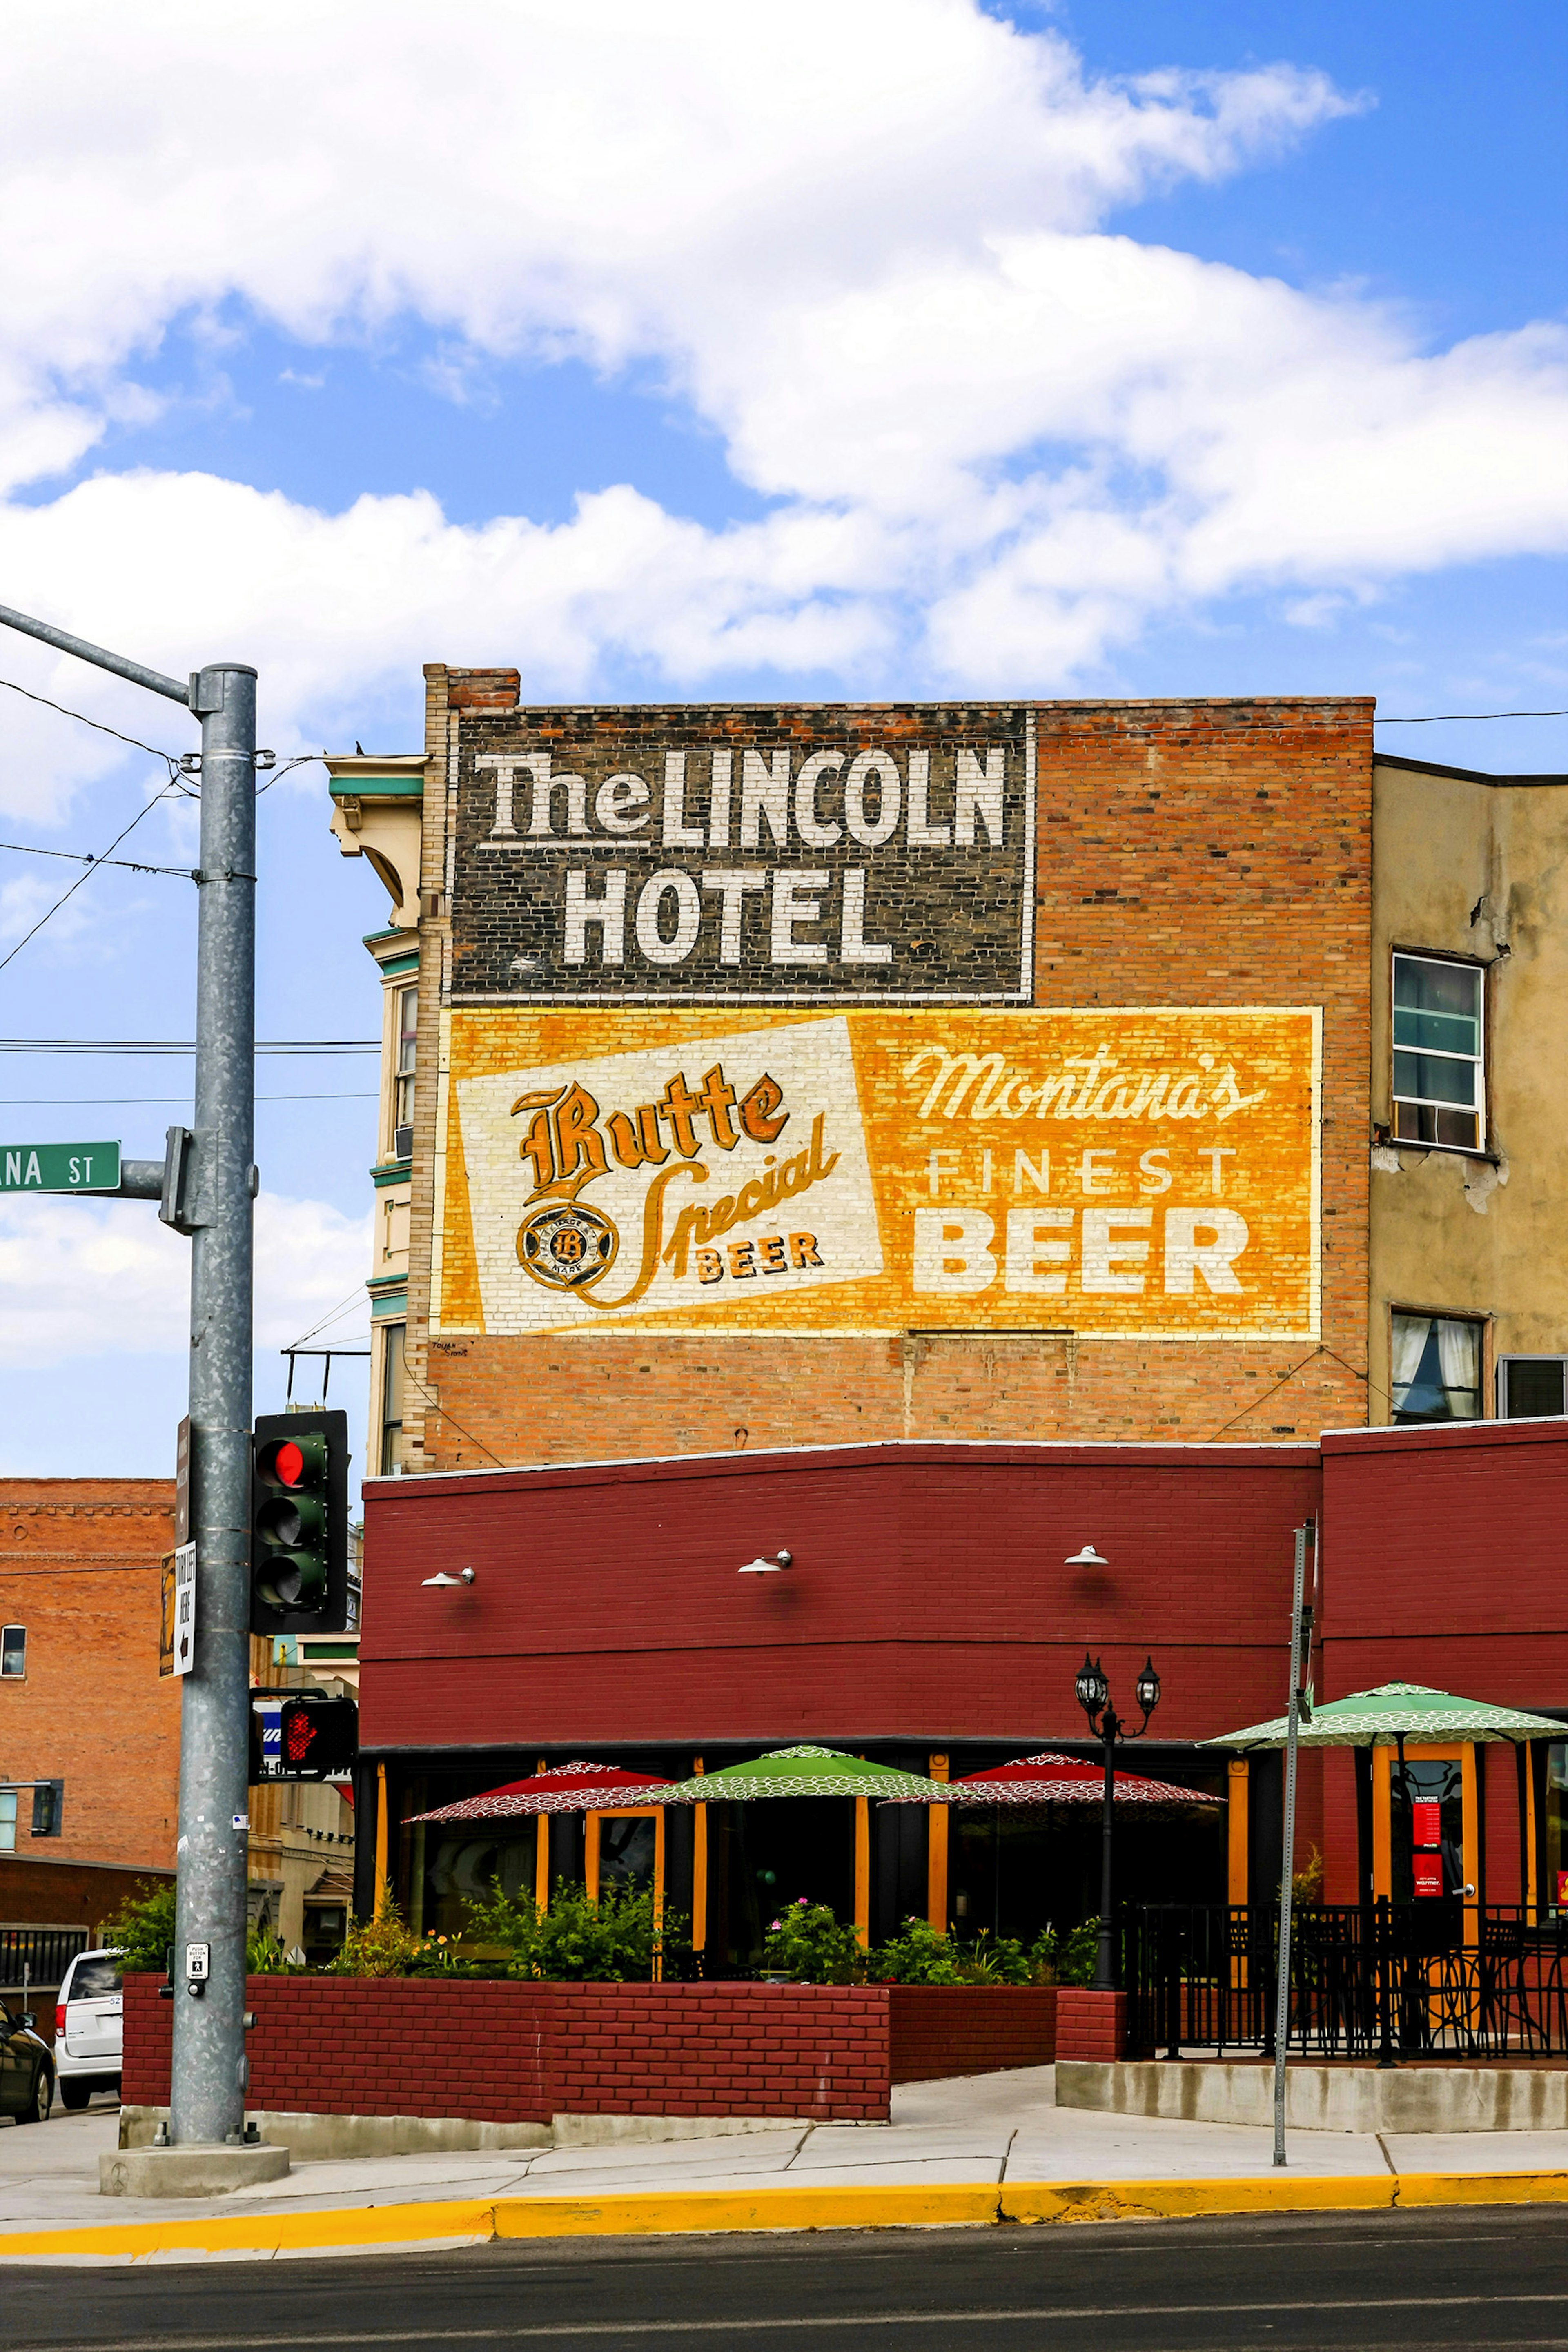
[82, 1278]
[871, 242]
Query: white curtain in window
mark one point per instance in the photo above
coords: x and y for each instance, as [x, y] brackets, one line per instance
[1410, 1334]
[1459, 1354]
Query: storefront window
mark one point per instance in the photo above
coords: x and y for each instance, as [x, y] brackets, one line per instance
[1555, 1889]
[1436, 1363]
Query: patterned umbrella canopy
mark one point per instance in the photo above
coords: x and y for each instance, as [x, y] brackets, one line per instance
[1381, 1718]
[1048, 1779]
[564, 1789]
[804, 1772]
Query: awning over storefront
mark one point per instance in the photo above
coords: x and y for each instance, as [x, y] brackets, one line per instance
[577, 1788]
[1050, 1780]
[805, 1773]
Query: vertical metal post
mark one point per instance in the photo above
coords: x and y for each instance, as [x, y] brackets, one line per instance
[1282, 1998]
[207, 2103]
[1105, 1962]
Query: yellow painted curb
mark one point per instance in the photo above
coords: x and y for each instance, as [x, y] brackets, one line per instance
[472, 2221]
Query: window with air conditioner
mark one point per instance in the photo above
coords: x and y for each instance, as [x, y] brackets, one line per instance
[1531, 1387]
[1439, 1097]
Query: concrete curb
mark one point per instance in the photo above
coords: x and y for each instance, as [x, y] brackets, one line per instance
[384, 2229]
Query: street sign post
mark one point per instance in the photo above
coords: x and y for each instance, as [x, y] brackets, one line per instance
[59, 1167]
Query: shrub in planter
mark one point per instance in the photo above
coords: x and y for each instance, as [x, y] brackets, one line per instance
[615, 1940]
[806, 1942]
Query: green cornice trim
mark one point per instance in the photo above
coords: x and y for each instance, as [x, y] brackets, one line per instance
[377, 788]
[396, 964]
[389, 1306]
[395, 1171]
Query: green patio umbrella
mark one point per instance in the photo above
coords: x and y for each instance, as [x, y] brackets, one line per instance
[804, 1772]
[1393, 1713]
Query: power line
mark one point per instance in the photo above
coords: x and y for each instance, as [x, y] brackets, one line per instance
[13, 953]
[100, 1102]
[86, 857]
[301, 1045]
[135, 741]
[1438, 718]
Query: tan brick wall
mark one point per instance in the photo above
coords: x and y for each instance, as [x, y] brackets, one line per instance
[79, 1568]
[1190, 853]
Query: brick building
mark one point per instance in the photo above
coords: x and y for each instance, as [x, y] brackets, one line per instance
[90, 1738]
[1027, 1077]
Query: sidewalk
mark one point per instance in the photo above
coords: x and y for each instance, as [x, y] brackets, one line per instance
[989, 2149]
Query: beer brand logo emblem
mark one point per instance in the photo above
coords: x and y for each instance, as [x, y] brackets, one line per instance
[567, 1247]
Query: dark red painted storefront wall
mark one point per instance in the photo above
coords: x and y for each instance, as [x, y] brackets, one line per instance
[928, 1598]
[1446, 1561]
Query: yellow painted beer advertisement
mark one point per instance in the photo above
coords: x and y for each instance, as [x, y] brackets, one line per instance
[1149, 1173]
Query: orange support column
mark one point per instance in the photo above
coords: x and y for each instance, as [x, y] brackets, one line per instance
[381, 1889]
[936, 1853]
[863, 1869]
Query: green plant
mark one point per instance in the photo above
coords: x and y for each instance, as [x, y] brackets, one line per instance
[1065, 1956]
[381, 1947]
[142, 1928]
[999, 1960]
[1307, 1883]
[616, 1939]
[918, 1955]
[808, 1943]
[263, 1954]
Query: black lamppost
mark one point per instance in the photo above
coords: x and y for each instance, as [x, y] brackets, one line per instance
[1094, 1698]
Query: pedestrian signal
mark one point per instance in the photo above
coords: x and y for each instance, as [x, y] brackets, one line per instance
[299, 1525]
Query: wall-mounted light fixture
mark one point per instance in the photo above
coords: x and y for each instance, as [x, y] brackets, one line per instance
[760, 1567]
[1087, 1557]
[464, 1576]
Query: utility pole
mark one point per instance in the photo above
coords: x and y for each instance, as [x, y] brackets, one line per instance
[213, 1205]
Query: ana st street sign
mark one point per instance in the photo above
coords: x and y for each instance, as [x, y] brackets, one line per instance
[59, 1167]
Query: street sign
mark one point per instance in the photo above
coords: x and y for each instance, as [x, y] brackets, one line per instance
[177, 1641]
[59, 1167]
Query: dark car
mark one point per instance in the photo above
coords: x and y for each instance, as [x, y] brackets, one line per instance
[27, 2070]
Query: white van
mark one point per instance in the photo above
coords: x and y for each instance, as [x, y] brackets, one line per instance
[88, 2028]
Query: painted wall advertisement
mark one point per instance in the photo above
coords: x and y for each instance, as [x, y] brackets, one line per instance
[1119, 1173]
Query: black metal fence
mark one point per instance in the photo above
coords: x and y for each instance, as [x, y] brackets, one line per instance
[40, 1955]
[1380, 1980]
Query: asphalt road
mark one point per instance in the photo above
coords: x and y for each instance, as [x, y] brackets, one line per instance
[1474, 2277]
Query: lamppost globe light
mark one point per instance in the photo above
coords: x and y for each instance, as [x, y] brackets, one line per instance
[1148, 1688]
[1092, 1686]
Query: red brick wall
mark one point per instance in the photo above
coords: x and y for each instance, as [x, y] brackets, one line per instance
[1196, 853]
[519, 2053]
[928, 1596]
[1090, 2024]
[944, 2030]
[79, 1568]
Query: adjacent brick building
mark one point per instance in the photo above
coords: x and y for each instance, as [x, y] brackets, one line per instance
[82, 1709]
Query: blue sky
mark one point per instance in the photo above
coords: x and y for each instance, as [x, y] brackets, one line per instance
[990, 362]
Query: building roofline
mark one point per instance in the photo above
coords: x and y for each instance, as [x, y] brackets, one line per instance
[1460, 775]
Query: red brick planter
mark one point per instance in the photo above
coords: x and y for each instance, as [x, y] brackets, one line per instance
[1090, 2024]
[507, 2052]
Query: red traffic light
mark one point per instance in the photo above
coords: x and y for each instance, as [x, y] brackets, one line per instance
[288, 1465]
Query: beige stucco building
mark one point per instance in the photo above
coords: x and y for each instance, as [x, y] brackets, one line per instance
[1470, 907]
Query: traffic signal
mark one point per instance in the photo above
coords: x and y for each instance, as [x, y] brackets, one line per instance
[299, 1525]
[301, 1735]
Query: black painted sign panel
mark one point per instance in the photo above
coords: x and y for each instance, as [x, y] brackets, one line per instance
[794, 854]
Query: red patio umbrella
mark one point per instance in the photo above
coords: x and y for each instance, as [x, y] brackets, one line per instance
[1047, 1780]
[564, 1789]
